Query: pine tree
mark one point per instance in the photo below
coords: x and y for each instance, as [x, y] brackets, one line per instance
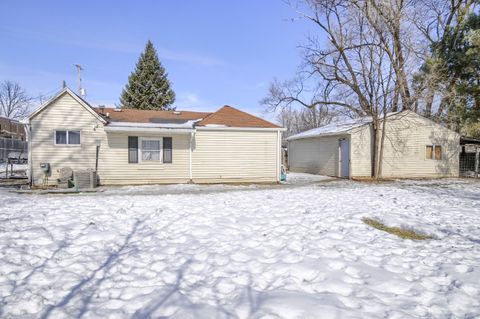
[148, 87]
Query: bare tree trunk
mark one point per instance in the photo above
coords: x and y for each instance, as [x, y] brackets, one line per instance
[429, 102]
[375, 148]
[382, 144]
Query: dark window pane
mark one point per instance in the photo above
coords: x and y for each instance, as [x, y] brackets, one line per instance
[73, 137]
[61, 137]
[167, 149]
[133, 149]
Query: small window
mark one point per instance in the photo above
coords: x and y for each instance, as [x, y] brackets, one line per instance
[167, 149]
[67, 137]
[433, 152]
[74, 137]
[150, 150]
[133, 149]
[60, 137]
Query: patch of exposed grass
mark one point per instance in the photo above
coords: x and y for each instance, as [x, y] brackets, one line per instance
[400, 232]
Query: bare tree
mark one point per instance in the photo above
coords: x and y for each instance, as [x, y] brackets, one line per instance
[364, 58]
[352, 72]
[299, 120]
[15, 103]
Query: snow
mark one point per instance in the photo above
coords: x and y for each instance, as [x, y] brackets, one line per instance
[285, 252]
[342, 126]
[17, 168]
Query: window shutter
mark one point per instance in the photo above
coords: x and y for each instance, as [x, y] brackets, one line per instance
[133, 149]
[167, 149]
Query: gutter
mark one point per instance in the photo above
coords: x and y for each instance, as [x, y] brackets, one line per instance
[136, 129]
[230, 128]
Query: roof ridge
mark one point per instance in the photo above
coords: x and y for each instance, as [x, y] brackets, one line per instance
[246, 114]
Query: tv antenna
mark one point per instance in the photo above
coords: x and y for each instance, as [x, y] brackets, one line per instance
[81, 91]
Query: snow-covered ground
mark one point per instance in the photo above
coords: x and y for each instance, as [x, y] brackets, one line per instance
[292, 252]
[19, 169]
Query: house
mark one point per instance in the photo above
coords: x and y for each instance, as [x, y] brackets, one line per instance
[12, 139]
[414, 147]
[128, 146]
[11, 129]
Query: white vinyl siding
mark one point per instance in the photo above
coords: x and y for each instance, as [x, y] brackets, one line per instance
[404, 154]
[217, 156]
[407, 135]
[64, 114]
[235, 156]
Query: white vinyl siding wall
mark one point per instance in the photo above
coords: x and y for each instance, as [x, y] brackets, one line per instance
[404, 155]
[115, 169]
[407, 136]
[217, 155]
[65, 113]
[315, 155]
[235, 156]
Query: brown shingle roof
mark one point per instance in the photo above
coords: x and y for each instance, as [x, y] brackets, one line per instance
[230, 116]
[225, 116]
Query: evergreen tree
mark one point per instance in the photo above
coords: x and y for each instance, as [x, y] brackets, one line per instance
[148, 87]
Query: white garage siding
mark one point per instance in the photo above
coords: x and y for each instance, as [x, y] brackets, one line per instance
[404, 155]
[235, 156]
[407, 136]
[361, 152]
[315, 155]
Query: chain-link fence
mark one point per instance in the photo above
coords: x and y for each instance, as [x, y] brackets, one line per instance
[469, 166]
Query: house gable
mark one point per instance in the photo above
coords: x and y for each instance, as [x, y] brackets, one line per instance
[62, 93]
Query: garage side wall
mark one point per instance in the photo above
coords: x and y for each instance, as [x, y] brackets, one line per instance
[314, 155]
[361, 152]
[405, 148]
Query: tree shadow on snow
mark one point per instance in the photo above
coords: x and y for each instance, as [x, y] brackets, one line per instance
[79, 288]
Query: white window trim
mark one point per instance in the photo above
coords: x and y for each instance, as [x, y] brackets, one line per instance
[433, 152]
[67, 144]
[140, 157]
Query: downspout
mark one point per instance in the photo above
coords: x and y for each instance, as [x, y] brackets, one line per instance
[28, 132]
[279, 154]
[192, 134]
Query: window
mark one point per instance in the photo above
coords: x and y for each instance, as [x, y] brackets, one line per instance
[73, 137]
[150, 150]
[433, 152]
[67, 137]
[133, 149]
[144, 149]
[60, 137]
[167, 149]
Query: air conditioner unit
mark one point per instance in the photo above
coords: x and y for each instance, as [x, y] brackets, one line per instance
[85, 179]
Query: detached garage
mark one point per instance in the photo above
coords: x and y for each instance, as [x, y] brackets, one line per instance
[414, 147]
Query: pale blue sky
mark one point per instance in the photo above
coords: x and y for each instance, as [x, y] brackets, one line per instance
[215, 52]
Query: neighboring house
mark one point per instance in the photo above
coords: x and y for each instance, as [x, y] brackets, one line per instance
[12, 129]
[414, 147]
[12, 139]
[144, 147]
